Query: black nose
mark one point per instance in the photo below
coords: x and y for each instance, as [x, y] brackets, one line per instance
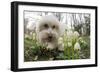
[50, 37]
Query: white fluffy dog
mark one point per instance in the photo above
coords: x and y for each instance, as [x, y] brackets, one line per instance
[48, 31]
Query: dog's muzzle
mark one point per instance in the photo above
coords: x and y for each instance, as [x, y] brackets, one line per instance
[50, 38]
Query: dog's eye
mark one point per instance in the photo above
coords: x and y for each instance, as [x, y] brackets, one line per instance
[46, 25]
[53, 27]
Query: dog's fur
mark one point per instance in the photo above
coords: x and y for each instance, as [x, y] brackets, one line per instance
[48, 31]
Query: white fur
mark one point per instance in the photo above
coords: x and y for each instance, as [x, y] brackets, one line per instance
[42, 35]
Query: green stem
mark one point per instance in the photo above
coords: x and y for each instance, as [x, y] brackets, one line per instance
[69, 53]
[72, 49]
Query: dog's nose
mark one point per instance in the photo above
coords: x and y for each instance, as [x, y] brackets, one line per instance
[50, 37]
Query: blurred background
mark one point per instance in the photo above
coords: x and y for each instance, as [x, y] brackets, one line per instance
[76, 21]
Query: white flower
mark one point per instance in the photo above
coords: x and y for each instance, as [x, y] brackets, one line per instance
[61, 47]
[34, 36]
[60, 40]
[69, 44]
[77, 46]
[61, 44]
[80, 39]
[70, 35]
[76, 34]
